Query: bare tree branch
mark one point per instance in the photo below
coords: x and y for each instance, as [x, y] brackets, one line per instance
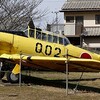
[15, 14]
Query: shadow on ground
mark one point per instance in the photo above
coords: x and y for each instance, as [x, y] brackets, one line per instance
[61, 83]
[30, 80]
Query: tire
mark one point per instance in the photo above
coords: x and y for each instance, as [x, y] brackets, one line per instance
[1, 69]
[12, 78]
[2, 74]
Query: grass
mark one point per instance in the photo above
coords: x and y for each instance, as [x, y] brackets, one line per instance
[51, 86]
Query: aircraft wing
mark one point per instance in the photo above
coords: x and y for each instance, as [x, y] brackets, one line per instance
[54, 63]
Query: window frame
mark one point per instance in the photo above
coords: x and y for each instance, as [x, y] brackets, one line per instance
[55, 39]
[39, 36]
[79, 20]
[44, 36]
[69, 19]
[61, 42]
[97, 19]
[50, 40]
[66, 41]
[32, 33]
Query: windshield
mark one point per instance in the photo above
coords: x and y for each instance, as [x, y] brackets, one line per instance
[66, 41]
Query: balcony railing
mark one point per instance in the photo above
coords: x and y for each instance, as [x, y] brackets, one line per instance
[73, 29]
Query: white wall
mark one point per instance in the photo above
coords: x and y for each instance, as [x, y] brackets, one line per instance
[69, 29]
[89, 18]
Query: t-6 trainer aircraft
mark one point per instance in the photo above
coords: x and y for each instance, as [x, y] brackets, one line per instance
[42, 49]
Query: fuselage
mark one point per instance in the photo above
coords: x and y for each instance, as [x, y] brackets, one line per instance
[35, 43]
[38, 43]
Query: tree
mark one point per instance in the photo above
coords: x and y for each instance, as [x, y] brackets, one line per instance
[15, 14]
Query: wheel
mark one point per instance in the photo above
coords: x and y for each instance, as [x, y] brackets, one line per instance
[2, 74]
[12, 78]
[1, 69]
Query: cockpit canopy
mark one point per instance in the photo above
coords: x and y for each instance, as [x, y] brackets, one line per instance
[47, 36]
[37, 33]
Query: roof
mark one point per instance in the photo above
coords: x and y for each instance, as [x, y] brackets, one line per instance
[81, 5]
[92, 31]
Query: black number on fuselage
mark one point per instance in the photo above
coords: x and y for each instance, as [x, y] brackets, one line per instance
[38, 48]
[58, 52]
[48, 50]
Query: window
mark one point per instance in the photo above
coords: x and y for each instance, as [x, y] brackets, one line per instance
[79, 19]
[26, 32]
[31, 33]
[49, 38]
[55, 39]
[44, 36]
[60, 40]
[66, 41]
[69, 19]
[97, 19]
[38, 35]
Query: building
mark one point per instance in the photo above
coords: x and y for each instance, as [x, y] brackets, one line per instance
[82, 21]
[56, 28]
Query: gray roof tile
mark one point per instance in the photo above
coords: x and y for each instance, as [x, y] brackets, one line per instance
[81, 5]
[92, 31]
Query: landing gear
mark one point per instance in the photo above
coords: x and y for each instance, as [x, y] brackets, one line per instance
[12, 78]
[1, 71]
[2, 74]
[11, 70]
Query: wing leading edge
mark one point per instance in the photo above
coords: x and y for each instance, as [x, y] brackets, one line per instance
[53, 63]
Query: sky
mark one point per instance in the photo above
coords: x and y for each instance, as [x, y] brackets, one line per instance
[52, 6]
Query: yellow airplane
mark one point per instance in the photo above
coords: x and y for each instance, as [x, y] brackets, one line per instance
[42, 49]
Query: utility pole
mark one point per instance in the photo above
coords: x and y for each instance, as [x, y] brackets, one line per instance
[56, 19]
